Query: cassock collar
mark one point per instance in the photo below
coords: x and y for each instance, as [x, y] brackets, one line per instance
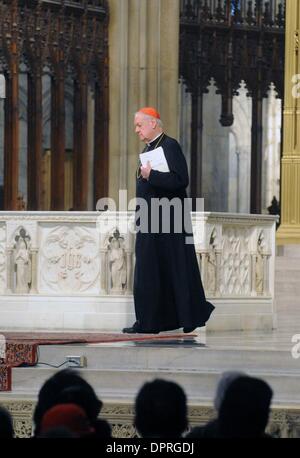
[154, 139]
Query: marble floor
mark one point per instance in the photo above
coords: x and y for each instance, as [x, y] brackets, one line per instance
[287, 318]
[117, 370]
[287, 325]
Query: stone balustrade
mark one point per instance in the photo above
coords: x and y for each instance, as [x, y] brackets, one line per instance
[83, 262]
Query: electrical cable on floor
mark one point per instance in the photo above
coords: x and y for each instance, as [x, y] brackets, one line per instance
[51, 365]
[38, 362]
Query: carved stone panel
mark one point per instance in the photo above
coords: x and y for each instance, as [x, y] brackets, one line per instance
[22, 262]
[117, 263]
[235, 261]
[69, 260]
[283, 421]
[2, 259]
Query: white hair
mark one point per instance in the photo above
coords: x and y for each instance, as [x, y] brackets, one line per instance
[158, 120]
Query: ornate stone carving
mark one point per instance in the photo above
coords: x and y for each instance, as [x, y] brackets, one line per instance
[283, 422]
[260, 264]
[201, 415]
[117, 263]
[123, 431]
[211, 265]
[22, 262]
[69, 260]
[21, 412]
[72, 255]
[250, 55]
[2, 258]
[235, 262]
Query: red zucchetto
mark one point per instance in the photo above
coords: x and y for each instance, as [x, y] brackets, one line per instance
[69, 416]
[150, 112]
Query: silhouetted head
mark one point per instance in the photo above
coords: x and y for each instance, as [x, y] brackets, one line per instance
[59, 432]
[161, 409]
[84, 398]
[66, 386]
[6, 424]
[244, 411]
[69, 416]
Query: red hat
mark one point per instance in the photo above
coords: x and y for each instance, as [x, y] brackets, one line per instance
[150, 112]
[70, 416]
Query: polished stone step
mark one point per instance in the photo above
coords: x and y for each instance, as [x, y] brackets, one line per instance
[185, 357]
[124, 384]
[118, 371]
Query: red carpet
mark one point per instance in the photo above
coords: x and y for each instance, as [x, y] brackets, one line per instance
[21, 347]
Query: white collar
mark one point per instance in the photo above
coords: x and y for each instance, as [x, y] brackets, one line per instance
[153, 139]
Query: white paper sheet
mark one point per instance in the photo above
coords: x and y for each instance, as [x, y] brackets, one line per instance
[157, 159]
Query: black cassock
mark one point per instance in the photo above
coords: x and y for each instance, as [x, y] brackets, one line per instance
[168, 292]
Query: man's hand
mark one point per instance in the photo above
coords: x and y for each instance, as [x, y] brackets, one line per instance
[145, 171]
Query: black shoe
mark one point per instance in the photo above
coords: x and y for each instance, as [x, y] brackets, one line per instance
[133, 329]
[187, 330]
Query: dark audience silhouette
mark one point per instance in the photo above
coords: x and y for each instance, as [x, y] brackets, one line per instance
[6, 424]
[161, 410]
[67, 386]
[68, 407]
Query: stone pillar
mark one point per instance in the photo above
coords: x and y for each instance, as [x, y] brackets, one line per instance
[198, 257]
[104, 271]
[11, 139]
[58, 141]
[203, 267]
[218, 272]
[289, 230]
[34, 139]
[90, 147]
[144, 50]
[9, 272]
[129, 272]
[266, 274]
[253, 274]
[34, 271]
[80, 164]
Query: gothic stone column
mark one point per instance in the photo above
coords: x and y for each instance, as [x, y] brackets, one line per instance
[289, 230]
[144, 50]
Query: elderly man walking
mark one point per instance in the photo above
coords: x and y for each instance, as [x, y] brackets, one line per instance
[168, 292]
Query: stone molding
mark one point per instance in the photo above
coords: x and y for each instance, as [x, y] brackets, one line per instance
[93, 253]
[284, 420]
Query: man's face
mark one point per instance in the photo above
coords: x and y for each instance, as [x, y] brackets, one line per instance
[144, 127]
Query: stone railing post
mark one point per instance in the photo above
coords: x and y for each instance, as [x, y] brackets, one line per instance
[253, 274]
[9, 276]
[266, 289]
[218, 271]
[103, 272]
[128, 272]
[203, 256]
[34, 271]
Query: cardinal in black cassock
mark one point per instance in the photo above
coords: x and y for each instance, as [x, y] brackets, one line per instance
[168, 292]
